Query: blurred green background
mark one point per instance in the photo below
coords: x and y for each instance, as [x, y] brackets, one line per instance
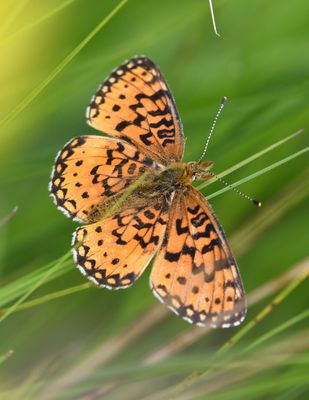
[261, 64]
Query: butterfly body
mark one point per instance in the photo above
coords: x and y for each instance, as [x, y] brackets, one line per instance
[175, 176]
[134, 195]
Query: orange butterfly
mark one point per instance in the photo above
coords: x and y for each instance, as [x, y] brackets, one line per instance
[94, 182]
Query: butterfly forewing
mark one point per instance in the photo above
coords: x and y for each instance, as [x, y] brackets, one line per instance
[195, 273]
[91, 169]
[135, 104]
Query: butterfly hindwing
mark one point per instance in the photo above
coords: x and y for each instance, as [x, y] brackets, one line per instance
[115, 251]
[195, 273]
[135, 104]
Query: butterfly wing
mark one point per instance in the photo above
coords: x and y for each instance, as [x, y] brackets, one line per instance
[135, 104]
[195, 273]
[114, 252]
[91, 169]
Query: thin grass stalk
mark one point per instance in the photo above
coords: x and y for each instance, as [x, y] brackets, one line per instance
[263, 388]
[289, 197]
[252, 158]
[48, 297]
[8, 216]
[278, 329]
[260, 172]
[277, 355]
[297, 392]
[5, 356]
[15, 11]
[272, 355]
[41, 19]
[106, 352]
[44, 277]
[195, 377]
[213, 18]
[38, 89]
[21, 285]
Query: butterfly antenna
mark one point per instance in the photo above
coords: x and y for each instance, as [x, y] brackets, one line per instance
[257, 203]
[223, 102]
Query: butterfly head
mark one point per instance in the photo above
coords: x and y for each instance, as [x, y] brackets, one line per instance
[199, 170]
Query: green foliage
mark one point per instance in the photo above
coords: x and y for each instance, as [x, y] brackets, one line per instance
[62, 338]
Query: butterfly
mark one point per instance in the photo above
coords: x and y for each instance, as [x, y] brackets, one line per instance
[135, 198]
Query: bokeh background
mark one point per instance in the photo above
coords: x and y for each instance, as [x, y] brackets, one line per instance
[73, 341]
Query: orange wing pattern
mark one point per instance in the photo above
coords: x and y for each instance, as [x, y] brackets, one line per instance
[135, 104]
[90, 169]
[195, 274]
[113, 253]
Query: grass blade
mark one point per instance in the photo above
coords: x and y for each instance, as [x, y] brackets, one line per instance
[43, 18]
[260, 172]
[248, 160]
[197, 376]
[35, 92]
[43, 278]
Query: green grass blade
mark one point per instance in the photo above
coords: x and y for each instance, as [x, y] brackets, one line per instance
[250, 159]
[14, 14]
[40, 20]
[258, 173]
[35, 92]
[273, 211]
[292, 321]
[19, 286]
[43, 279]
[6, 356]
[48, 297]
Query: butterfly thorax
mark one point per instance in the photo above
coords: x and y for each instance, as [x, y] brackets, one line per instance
[175, 176]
